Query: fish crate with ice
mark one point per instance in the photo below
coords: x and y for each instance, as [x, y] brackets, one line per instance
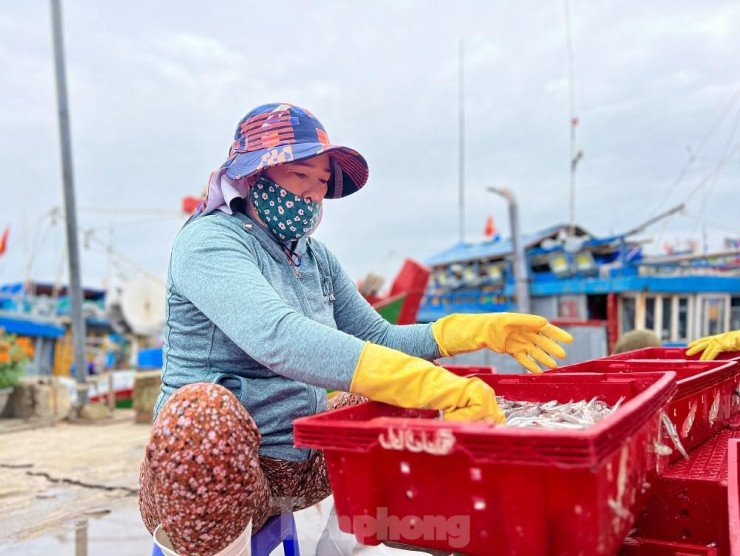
[704, 401]
[405, 475]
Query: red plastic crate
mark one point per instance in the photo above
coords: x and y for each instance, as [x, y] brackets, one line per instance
[734, 421]
[688, 503]
[704, 399]
[669, 353]
[466, 370]
[733, 494]
[650, 547]
[403, 475]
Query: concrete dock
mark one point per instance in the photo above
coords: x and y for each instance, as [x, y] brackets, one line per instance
[51, 476]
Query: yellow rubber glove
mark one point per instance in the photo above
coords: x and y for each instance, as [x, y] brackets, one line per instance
[386, 375]
[712, 346]
[527, 338]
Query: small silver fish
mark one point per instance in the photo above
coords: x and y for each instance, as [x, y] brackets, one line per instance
[672, 433]
[555, 415]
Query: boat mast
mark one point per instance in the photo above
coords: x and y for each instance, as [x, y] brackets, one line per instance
[575, 157]
[461, 142]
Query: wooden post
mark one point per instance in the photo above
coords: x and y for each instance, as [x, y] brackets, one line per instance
[111, 393]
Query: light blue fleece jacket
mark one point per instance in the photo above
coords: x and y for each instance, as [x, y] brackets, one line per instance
[277, 336]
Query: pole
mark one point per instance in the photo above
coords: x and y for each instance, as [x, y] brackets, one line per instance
[521, 279]
[461, 143]
[573, 120]
[658, 218]
[75, 287]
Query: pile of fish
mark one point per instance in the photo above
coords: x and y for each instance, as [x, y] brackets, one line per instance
[554, 415]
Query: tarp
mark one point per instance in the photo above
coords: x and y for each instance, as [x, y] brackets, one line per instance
[488, 249]
[29, 326]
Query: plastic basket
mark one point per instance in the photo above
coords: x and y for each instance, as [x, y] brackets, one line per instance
[669, 353]
[704, 400]
[403, 475]
[652, 547]
[688, 503]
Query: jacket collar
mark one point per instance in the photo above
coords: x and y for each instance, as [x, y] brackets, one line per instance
[267, 239]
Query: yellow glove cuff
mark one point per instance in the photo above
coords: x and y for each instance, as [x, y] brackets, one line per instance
[391, 376]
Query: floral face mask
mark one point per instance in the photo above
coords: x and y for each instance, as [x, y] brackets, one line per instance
[287, 215]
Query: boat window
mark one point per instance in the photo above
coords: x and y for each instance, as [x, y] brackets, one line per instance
[683, 319]
[649, 313]
[712, 315]
[735, 313]
[665, 328]
[628, 314]
[571, 307]
[597, 307]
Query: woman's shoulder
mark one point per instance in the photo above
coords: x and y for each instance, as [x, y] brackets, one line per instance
[217, 226]
[214, 223]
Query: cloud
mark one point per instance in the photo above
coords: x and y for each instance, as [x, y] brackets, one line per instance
[156, 90]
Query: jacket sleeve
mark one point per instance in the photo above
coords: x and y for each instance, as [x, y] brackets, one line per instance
[354, 315]
[216, 269]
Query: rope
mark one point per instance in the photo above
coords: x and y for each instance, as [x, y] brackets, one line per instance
[109, 249]
[693, 156]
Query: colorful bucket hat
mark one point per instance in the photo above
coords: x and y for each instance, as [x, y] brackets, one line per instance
[274, 134]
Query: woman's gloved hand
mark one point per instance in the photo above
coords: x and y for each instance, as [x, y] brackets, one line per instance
[712, 346]
[386, 375]
[527, 338]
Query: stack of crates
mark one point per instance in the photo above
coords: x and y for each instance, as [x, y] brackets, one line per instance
[690, 506]
[608, 489]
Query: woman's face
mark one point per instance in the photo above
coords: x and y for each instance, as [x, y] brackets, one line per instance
[306, 178]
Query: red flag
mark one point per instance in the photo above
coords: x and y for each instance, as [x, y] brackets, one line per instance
[4, 241]
[490, 229]
[189, 204]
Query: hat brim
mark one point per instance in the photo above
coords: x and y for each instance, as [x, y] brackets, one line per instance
[350, 176]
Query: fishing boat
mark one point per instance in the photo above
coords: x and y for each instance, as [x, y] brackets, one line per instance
[38, 315]
[601, 287]
[400, 305]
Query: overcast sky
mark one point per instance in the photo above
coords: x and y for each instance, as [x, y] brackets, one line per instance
[156, 90]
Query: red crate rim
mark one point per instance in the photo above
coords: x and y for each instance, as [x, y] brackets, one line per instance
[712, 372]
[337, 430]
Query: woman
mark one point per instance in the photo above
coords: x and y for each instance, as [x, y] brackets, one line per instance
[261, 320]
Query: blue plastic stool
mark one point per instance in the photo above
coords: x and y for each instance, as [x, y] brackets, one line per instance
[278, 529]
